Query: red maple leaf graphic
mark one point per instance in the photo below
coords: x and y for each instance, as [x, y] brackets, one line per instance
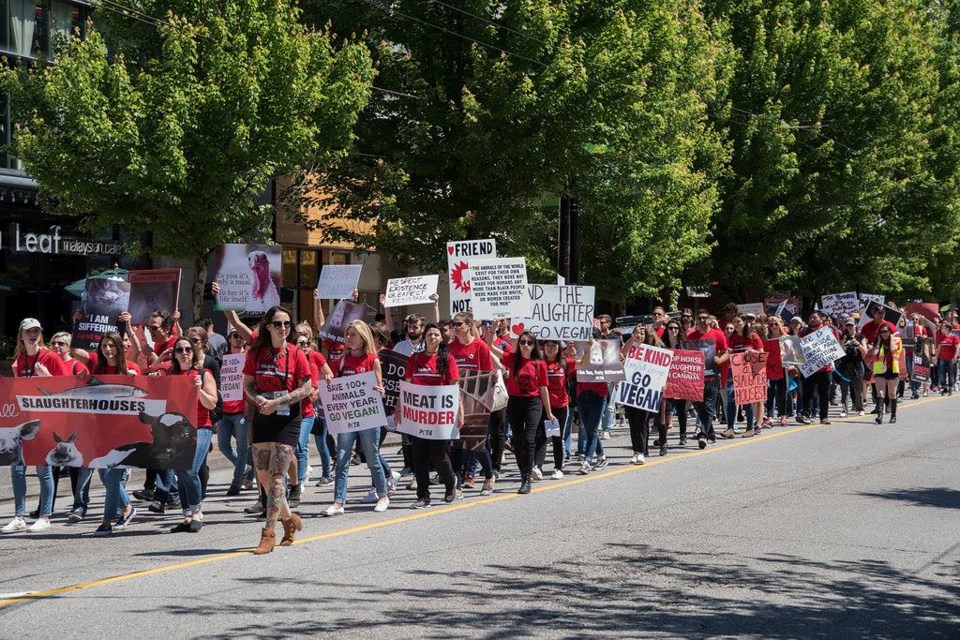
[459, 282]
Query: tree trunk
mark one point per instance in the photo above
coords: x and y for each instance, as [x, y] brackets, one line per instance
[199, 280]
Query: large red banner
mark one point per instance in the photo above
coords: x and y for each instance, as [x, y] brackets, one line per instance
[685, 378]
[99, 422]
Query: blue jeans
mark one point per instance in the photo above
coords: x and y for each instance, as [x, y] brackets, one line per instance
[188, 480]
[369, 443]
[115, 482]
[609, 410]
[568, 431]
[591, 407]
[321, 440]
[732, 408]
[706, 409]
[948, 373]
[166, 488]
[303, 448]
[18, 477]
[81, 493]
[233, 425]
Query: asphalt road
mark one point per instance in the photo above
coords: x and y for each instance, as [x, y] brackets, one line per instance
[848, 530]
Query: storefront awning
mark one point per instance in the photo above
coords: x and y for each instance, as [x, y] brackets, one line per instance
[76, 288]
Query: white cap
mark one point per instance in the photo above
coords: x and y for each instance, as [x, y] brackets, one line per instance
[30, 323]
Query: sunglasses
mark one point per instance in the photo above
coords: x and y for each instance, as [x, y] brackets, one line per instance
[459, 324]
[235, 336]
[302, 343]
[153, 329]
[59, 343]
[196, 340]
[179, 350]
[673, 328]
[284, 324]
[527, 343]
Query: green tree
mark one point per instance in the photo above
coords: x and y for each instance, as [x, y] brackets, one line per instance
[177, 127]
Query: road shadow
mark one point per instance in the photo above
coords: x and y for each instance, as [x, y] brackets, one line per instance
[941, 497]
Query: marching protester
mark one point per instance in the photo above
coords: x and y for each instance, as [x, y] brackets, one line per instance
[233, 426]
[851, 367]
[592, 399]
[639, 419]
[816, 387]
[744, 339]
[706, 409]
[673, 340]
[560, 371]
[886, 369]
[947, 354]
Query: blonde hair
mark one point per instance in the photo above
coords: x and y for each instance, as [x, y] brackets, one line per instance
[365, 335]
[304, 329]
[21, 347]
[62, 335]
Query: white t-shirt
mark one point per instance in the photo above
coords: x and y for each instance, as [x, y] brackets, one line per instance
[408, 348]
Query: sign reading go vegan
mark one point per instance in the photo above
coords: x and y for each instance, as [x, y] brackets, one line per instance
[558, 312]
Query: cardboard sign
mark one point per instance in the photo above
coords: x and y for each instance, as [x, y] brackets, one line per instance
[755, 308]
[340, 318]
[352, 403]
[248, 275]
[458, 271]
[338, 281]
[151, 290]
[890, 314]
[836, 304]
[685, 378]
[749, 371]
[231, 376]
[429, 412]
[499, 288]
[791, 351]
[410, 291]
[557, 313]
[394, 366]
[646, 369]
[921, 362]
[866, 298]
[99, 422]
[605, 365]
[820, 348]
[102, 302]
[929, 310]
[478, 393]
[782, 307]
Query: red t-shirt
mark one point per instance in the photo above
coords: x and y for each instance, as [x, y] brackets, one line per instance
[422, 369]
[274, 370]
[471, 357]
[526, 382]
[947, 346]
[24, 364]
[160, 347]
[334, 350]
[233, 407]
[76, 368]
[557, 378]
[871, 329]
[739, 343]
[203, 414]
[351, 365]
[111, 370]
[316, 361]
[660, 331]
[503, 344]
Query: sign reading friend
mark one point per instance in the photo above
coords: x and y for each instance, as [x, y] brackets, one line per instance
[499, 288]
[429, 411]
[458, 270]
[410, 291]
[646, 370]
[338, 281]
[557, 313]
[352, 403]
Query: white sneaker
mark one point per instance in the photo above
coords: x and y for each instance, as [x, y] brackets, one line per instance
[309, 471]
[639, 459]
[556, 475]
[16, 525]
[843, 414]
[391, 486]
[584, 468]
[633, 458]
[41, 524]
[382, 504]
[333, 510]
[536, 475]
[371, 496]
[396, 476]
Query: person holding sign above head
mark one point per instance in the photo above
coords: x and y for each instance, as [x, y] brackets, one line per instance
[359, 356]
[433, 366]
[639, 419]
[886, 371]
[276, 378]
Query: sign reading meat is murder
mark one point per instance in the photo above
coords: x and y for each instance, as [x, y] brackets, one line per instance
[685, 378]
[499, 288]
[458, 270]
[352, 403]
[749, 371]
[410, 291]
[820, 348]
[557, 313]
[429, 411]
[646, 369]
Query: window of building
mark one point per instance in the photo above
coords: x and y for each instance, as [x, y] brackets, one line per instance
[37, 28]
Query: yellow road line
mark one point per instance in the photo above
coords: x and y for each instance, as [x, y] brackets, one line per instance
[380, 524]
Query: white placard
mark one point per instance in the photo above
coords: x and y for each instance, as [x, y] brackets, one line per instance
[231, 376]
[499, 287]
[338, 281]
[557, 313]
[605, 365]
[352, 403]
[875, 297]
[836, 304]
[410, 291]
[756, 308]
[428, 411]
[820, 348]
[646, 369]
[459, 255]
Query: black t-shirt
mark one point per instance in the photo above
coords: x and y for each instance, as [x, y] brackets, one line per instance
[852, 356]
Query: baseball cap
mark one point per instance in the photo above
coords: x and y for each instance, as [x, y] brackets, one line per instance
[796, 319]
[750, 316]
[30, 323]
[850, 321]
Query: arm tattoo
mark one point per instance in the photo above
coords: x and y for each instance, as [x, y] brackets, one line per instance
[249, 387]
[302, 392]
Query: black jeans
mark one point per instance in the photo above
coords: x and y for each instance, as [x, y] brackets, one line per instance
[853, 388]
[426, 452]
[776, 396]
[819, 382]
[560, 413]
[639, 429]
[524, 415]
[497, 437]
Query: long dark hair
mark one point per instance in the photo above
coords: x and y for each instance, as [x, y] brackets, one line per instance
[443, 353]
[534, 352]
[195, 362]
[263, 333]
[561, 358]
[651, 338]
[666, 335]
[102, 362]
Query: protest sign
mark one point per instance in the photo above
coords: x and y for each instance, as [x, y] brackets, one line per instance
[101, 304]
[866, 298]
[626, 324]
[921, 361]
[340, 318]
[429, 412]
[646, 370]
[774, 359]
[820, 348]
[394, 366]
[709, 350]
[782, 307]
[755, 308]
[929, 310]
[458, 271]
[99, 422]
[499, 287]
[231, 376]
[352, 403]
[890, 314]
[749, 371]
[410, 291]
[605, 365]
[338, 281]
[557, 313]
[791, 351]
[836, 304]
[248, 276]
[152, 290]
[685, 378]
[479, 392]
[908, 333]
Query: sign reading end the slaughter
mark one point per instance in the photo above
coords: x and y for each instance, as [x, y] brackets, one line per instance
[352, 403]
[499, 288]
[429, 412]
[557, 312]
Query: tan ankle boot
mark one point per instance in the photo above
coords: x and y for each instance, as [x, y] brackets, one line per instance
[290, 526]
[267, 539]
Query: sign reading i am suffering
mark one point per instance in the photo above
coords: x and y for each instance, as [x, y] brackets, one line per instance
[557, 313]
[410, 291]
[352, 403]
[429, 411]
[646, 369]
[458, 270]
[499, 288]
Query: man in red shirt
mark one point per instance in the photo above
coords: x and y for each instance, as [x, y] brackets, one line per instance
[714, 345]
[947, 352]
